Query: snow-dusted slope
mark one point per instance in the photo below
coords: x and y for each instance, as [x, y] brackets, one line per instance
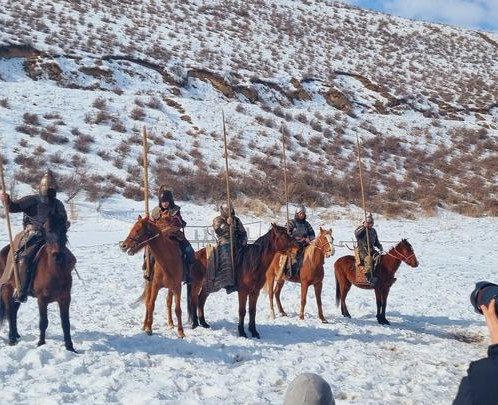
[421, 96]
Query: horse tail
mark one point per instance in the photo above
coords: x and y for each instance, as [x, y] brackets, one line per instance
[189, 302]
[337, 286]
[3, 308]
[142, 297]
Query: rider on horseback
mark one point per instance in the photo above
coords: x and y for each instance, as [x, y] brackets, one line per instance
[36, 209]
[302, 233]
[168, 212]
[369, 247]
[221, 225]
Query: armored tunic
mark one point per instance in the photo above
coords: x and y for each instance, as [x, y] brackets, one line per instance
[361, 236]
[36, 210]
[222, 230]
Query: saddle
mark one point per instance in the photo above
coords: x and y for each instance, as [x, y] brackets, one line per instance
[361, 269]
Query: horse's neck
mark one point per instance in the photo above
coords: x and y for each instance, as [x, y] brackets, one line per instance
[314, 254]
[165, 251]
[390, 262]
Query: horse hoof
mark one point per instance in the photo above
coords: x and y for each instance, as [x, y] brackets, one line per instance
[256, 335]
[12, 342]
[324, 320]
[148, 331]
[205, 325]
[40, 343]
[181, 335]
[171, 326]
[195, 325]
[242, 334]
[71, 349]
[283, 313]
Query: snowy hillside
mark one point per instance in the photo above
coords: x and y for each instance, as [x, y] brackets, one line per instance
[79, 81]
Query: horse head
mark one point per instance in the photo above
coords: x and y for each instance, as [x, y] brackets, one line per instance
[325, 242]
[282, 241]
[404, 251]
[141, 232]
[55, 231]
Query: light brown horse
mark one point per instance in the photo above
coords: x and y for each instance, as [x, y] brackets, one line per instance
[345, 276]
[52, 283]
[251, 264]
[311, 273]
[168, 267]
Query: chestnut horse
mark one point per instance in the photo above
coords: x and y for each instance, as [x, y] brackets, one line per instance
[345, 276]
[168, 267]
[252, 261]
[52, 282]
[311, 273]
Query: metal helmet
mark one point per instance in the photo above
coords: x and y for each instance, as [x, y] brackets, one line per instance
[47, 183]
[224, 209]
[301, 208]
[369, 218]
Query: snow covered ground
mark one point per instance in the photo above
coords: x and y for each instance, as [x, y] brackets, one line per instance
[420, 358]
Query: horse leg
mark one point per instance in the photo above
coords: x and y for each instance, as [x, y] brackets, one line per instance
[148, 288]
[42, 309]
[169, 304]
[346, 286]
[66, 326]
[11, 308]
[253, 300]
[202, 301]
[270, 283]
[194, 303]
[385, 293]
[278, 291]
[318, 295]
[304, 293]
[242, 311]
[178, 311]
[150, 309]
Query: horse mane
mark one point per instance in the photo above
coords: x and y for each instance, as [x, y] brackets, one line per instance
[251, 254]
[57, 225]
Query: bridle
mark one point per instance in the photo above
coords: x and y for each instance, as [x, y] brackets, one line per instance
[146, 233]
[401, 255]
[327, 242]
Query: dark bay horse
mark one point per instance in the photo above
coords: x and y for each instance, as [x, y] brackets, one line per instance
[251, 264]
[168, 267]
[345, 276]
[52, 283]
[311, 273]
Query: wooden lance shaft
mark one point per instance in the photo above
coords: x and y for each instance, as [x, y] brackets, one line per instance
[146, 196]
[228, 192]
[17, 279]
[285, 176]
[363, 192]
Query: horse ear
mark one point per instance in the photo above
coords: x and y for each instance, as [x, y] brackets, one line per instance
[139, 218]
[321, 229]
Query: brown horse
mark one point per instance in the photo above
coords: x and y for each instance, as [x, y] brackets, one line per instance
[311, 273]
[345, 275]
[52, 283]
[168, 267]
[251, 264]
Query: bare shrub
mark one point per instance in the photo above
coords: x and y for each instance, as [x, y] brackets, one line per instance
[31, 119]
[27, 129]
[137, 114]
[4, 102]
[100, 103]
[154, 103]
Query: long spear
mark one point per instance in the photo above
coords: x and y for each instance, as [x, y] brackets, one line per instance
[146, 197]
[228, 191]
[17, 279]
[285, 175]
[362, 191]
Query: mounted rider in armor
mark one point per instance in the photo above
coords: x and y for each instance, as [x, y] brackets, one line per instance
[302, 233]
[369, 247]
[169, 213]
[36, 210]
[221, 225]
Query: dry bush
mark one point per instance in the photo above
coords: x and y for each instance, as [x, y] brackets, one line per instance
[118, 126]
[100, 103]
[27, 129]
[154, 103]
[4, 102]
[31, 119]
[137, 114]
[301, 117]
[134, 192]
[49, 136]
